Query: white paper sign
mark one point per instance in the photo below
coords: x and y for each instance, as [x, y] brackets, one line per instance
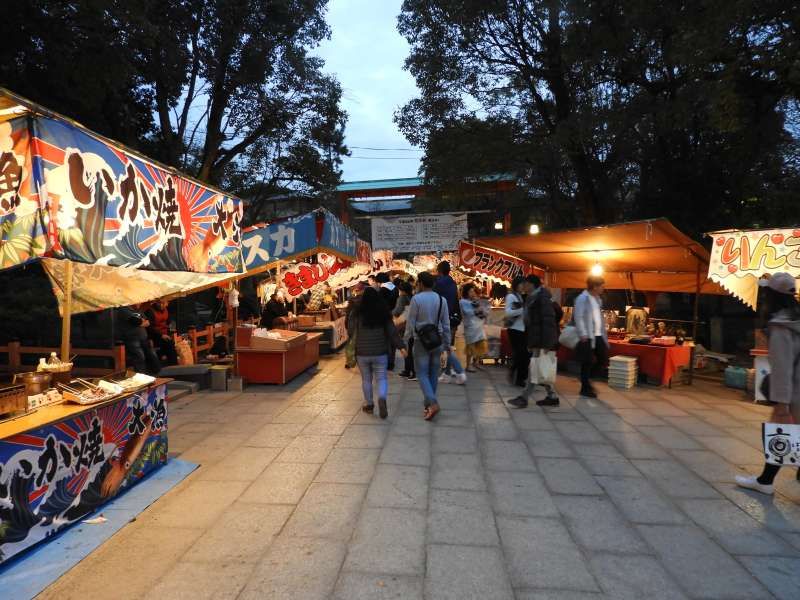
[423, 233]
[782, 444]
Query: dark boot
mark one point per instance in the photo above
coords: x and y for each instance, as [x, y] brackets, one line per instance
[519, 402]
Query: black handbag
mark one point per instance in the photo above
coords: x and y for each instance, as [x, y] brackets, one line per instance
[428, 334]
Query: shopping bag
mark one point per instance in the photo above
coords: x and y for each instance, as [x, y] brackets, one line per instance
[350, 351]
[543, 367]
[781, 443]
[569, 337]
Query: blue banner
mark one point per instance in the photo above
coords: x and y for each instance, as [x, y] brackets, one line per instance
[338, 238]
[283, 240]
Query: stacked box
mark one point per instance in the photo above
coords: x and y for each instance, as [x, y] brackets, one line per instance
[622, 372]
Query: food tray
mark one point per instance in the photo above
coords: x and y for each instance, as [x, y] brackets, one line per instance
[84, 393]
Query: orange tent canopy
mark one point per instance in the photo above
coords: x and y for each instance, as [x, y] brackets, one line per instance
[651, 256]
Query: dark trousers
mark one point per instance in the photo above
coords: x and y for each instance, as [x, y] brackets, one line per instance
[520, 357]
[586, 355]
[166, 349]
[408, 366]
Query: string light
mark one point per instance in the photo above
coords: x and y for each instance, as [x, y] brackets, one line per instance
[498, 225]
[597, 269]
[534, 229]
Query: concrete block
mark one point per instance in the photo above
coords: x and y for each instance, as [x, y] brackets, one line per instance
[521, 494]
[407, 450]
[700, 565]
[454, 440]
[567, 476]
[639, 501]
[328, 510]
[399, 486]
[546, 544]
[502, 455]
[349, 465]
[634, 577]
[458, 517]
[597, 525]
[388, 540]
[459, 572]
[368, 586]
[281, 483]
[457, 472]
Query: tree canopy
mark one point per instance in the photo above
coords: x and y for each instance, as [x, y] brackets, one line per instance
[225, 90]
[613, 109]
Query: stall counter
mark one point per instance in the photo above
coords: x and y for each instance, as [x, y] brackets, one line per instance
[62, 462]
[258, 365]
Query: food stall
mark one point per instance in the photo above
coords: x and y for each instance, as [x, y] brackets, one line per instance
[111, 228]
[646, 256]
[313, 255]
[739, 259]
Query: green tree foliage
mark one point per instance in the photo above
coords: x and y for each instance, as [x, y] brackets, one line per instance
[225, 90]
[613, 109]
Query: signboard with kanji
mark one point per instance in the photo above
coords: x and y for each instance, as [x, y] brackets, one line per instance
[66, 193]
[55, 475]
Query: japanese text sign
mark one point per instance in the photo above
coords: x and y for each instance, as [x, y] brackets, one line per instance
[757, 253]
[491, 263]
[421, 233]
[65, 193]
[279, 241]
[57, 474]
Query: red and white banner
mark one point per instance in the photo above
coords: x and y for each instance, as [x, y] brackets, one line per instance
[300, 278]
[490, 262]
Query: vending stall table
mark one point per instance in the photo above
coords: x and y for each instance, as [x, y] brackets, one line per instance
[61, 462]
[275, 359]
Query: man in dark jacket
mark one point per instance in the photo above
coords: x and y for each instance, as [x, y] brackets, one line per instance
[541, 330]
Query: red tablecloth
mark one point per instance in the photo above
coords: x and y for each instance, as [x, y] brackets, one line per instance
[659, 362]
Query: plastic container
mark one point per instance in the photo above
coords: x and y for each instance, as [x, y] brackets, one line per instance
[736, 377]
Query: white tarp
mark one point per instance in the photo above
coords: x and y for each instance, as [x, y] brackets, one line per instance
[419, 233]
[740, 258]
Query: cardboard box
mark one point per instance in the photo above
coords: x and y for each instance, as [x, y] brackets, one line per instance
[305, 320]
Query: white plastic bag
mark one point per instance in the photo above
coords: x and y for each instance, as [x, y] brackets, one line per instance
[781, 444]
[569, 337]
[543, 368]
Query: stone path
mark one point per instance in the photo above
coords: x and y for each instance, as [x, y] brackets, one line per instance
[302, 496]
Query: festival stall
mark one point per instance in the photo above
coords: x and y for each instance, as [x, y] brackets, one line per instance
[739, 259]
[313, 255]
[645, 256]
[111, 228]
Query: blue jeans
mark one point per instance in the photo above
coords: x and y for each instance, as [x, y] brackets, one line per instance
[453, 364]
[427, 363]
[373, 366]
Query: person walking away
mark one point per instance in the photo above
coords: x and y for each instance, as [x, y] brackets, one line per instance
[428, 317]
[446, 287]
[400, 314]
[783, 331]
[376, 337]
[593, 344]
[514, 321]
[474, 318]
[542, 316]
[388, 290]
[158, 316]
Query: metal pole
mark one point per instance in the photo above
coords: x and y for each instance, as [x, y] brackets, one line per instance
[694, 323]
[66, 312]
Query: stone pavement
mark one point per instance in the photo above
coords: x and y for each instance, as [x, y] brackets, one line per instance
[302, 496]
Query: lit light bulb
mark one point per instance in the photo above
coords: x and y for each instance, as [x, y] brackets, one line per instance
[498, 225]
[534, 229]
[597, 269]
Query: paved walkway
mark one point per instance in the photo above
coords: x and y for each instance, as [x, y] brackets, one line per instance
[301, 496]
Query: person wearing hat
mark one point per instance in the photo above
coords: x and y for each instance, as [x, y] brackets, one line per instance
[783, 331]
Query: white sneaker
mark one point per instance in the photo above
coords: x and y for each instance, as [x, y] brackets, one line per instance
[445, 378]
[461, 378]
[751, 483]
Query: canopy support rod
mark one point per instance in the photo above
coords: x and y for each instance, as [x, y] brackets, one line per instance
[695, 318]
[66, 316]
